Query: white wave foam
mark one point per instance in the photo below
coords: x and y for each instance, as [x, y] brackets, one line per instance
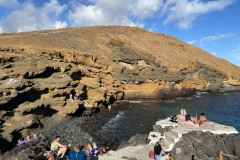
[113, 124]
[200, 93]
[135, 101]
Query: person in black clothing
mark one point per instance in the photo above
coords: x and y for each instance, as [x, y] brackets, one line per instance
[158, 151]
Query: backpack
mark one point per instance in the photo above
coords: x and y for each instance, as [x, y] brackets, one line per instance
[151, 154]
[173, 119]
[157, 149]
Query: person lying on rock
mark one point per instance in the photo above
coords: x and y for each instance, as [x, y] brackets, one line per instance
[183, 116]
[40, 154]
[21, 141]
[58, 148]
[92, 151]
[77, 154]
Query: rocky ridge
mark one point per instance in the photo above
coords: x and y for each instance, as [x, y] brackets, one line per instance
[99, 65]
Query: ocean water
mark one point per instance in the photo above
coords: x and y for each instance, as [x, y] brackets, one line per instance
[220, 108]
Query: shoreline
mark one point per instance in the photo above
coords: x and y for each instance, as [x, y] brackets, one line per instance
[91, 127]
[186, 146]
[78, 130]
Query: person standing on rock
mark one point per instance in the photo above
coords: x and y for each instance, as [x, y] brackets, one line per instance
[58, 148]
[77, 154]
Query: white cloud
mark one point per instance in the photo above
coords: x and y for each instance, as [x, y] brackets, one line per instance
[192, 42]
[185, 12]
[143, 9]
[0, 30]
[59, 24]
[212, 38]
[213, 53]
[29, 18]
[8, 3]
[216, 37]
[114, 12]
[236, 50]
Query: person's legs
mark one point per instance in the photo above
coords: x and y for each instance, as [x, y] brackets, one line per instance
[201, 122]
[51, 158]
[184, 112]
[62, 152]
[181, 112]
[166, 157]
[181, 117]
[89, 148]
[94, 145]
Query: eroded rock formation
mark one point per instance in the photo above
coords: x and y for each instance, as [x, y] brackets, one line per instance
[99, 65]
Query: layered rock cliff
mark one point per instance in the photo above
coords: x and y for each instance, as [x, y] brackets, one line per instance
[99, 65]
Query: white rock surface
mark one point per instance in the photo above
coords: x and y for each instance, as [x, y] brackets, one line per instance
[171, 137]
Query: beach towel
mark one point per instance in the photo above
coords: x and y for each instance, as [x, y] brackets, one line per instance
[191, 123]
[154, 136]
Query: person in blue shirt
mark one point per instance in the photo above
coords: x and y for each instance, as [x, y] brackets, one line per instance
[77, 154]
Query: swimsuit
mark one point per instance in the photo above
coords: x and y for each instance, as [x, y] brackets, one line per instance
[54, 149]
[93, 150]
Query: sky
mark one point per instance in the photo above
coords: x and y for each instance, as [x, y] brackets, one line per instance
[212, 25]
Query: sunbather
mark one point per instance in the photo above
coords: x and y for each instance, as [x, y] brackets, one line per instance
[21, 141]
[183, 116]
[40, 155]
[28, 138]
[58, 148]
[93, 151]
[201, 119]
[77, 154]
[26, 123]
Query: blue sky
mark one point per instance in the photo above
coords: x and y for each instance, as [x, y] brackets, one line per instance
[210, 25]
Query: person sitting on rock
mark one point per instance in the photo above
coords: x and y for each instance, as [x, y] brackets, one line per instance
[40, 154]
[28, 138]
[201, 119]
[58, 148]
[158, 151]
[34, 137]
[93, 151]
[77, 154]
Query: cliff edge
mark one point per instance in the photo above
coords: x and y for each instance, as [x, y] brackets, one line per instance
[98, 65]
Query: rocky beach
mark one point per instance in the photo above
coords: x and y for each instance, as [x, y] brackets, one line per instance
[54, 82]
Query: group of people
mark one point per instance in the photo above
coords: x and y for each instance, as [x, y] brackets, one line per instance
[73, 98]
[12, 81]
[59, 151]
[183, 116]
[159, 153]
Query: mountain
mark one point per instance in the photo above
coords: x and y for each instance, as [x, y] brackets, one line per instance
[99, 65]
